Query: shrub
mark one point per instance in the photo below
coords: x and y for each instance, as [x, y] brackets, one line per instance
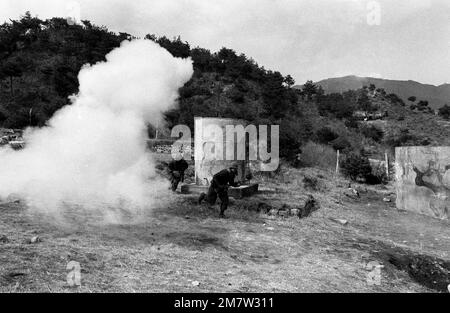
[341, 143]
[311, 205]
[337, 104]
[372, 132]
[444, 112]
[311, 183]
[365, 104]
[356, 166]
[317, 155]
[326, 135]
[372, 179]
[422, 103]
[351, 123]
[404, 138]
[378, 176]
[294, 132]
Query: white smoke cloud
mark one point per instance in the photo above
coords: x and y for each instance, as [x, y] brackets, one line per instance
[94, 152]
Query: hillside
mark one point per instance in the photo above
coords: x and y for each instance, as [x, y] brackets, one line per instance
[437, 96]
[40, 61]
[420, 127]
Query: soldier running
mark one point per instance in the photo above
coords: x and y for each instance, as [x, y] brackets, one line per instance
[176, 171]
[219, 187]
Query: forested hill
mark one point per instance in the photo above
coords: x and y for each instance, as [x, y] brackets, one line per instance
[40, 60]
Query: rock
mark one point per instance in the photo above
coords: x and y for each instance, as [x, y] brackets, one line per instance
[35, 239]
[283, 213]
[351, 195]
[311, 205]
[354, 191]
[195, 283]
[4, 239]
[266, 189]
[340, 221]
[361, 189]
[386, 200]
[273, 212]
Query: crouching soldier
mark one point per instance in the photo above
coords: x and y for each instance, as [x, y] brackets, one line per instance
[219, 188]
[176, 172]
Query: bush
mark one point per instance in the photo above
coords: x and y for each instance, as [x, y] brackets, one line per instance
[326, 135]
[372, 132]
[317, 155]
[311, 183]
[444, 112]
[341, 143]
[378, 176]
[404, 138]
[422, 103]
[356, 166]
[293, 133]
[351, 123]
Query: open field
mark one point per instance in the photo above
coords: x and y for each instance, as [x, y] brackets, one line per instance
[172, 248]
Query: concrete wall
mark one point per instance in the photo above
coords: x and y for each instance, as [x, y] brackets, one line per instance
[206, 142]
[423, 180]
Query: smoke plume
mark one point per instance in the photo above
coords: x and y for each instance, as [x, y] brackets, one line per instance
[93, 152]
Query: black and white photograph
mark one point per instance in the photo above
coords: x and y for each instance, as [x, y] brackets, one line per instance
[223, 153]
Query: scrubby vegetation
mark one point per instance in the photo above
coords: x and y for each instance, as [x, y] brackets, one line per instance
[355, 166]
[372, 132]
[40, 59]
[445, 112]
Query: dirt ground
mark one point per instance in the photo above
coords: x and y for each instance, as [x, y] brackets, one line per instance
[186, 248]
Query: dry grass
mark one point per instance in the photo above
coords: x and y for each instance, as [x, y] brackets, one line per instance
[169, 248]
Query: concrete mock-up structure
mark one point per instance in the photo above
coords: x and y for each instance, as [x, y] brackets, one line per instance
[210, 151]
[423, 180]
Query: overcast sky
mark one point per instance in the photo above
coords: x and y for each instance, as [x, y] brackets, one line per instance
[314, 39]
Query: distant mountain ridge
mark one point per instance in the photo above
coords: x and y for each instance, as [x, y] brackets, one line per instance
[437, 96]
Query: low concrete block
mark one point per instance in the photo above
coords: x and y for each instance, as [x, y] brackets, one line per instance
[234, 192]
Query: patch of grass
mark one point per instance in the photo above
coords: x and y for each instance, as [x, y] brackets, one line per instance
[165, 249]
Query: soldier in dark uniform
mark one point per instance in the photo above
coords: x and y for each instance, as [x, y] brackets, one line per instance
[219, 188]
[176, 172]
